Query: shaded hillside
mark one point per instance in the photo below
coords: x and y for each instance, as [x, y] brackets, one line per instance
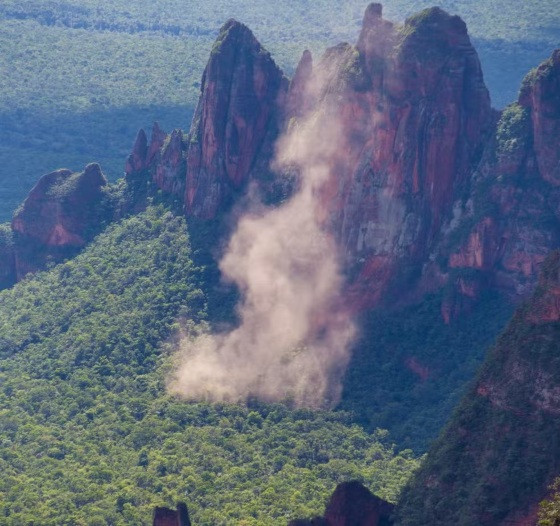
[496, 457]
[409, 370]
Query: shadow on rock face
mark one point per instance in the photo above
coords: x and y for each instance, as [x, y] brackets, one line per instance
[352, 504]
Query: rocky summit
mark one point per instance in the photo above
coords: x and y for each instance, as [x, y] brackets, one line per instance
[433, 187]
[61, 214]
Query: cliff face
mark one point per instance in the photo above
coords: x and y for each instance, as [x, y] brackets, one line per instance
[541, 95]
[493, 463]
[432, 188]
[415, 113]
[59, 216]
[242, 90]
[431, 183]
[509, 221]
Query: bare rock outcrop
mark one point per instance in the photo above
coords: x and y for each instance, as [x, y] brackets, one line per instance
[352, 504]
[61, 214]
[242, 93]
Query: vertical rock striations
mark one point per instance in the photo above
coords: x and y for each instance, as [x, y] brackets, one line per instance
[415, 114]
[169, 173]
[242, 90]
[159, 165]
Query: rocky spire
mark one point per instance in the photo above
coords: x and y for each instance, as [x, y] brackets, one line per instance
[240, 96]
[156, 142]
[299, 100]
[352, 504]
[541, 94]
[376, 38]
[170, 172]
[137, 159]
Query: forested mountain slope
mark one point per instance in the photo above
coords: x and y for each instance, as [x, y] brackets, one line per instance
[494, 460]
[88, 435]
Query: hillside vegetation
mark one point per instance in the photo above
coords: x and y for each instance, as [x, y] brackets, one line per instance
[88, 435]
[79, 77]
[409, 370]
[500, 449]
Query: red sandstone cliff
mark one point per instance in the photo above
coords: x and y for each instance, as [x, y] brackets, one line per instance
[541, 95]
[60, 215]
[510, 219]
[242, 91]
[232, 133]
[415, 115]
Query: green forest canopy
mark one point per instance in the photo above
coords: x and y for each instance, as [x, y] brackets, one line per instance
[88, 435]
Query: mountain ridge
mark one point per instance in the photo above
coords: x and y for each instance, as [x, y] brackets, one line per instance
[497, 456]
[392, 209]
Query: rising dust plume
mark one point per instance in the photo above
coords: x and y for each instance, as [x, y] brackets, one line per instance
[294, 336]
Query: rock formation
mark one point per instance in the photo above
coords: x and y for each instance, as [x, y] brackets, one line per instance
[432, 184]
[508, 222]
[242, 91]
[232, 133]
[63, 211]
[415, 113]
[167, 517]
[352, 504]
[540, 93]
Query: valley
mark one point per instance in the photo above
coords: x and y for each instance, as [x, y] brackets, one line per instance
[345, 269]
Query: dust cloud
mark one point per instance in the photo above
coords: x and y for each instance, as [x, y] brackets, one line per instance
[294, 334]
